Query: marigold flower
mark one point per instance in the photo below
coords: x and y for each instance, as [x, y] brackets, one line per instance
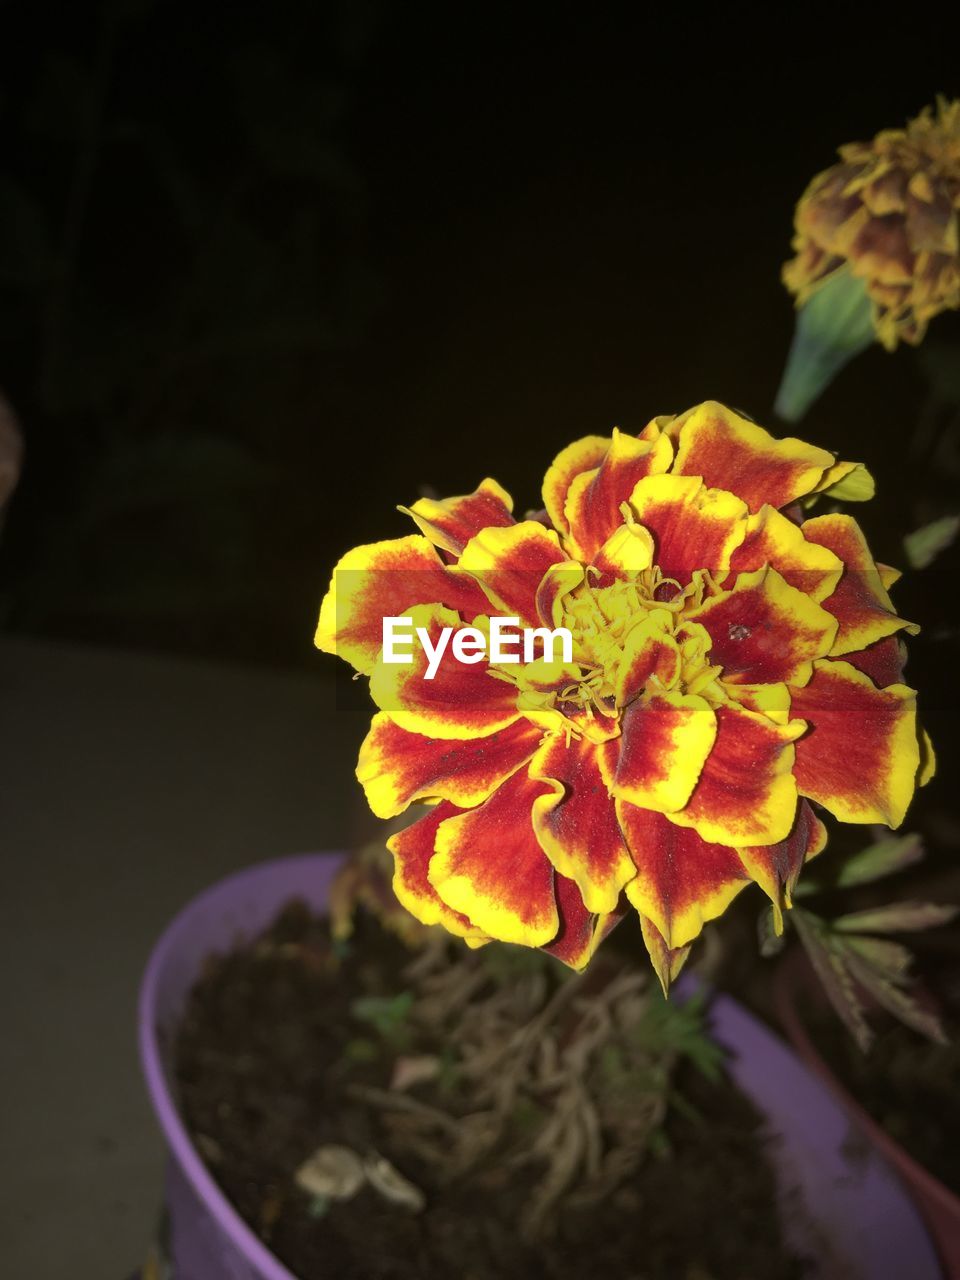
[732, 663]
[889, 213]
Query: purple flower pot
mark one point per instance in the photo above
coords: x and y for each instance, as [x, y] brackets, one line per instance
[939, 1205]
[841, 1203]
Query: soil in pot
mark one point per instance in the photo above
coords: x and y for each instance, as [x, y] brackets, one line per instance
[268, 1060]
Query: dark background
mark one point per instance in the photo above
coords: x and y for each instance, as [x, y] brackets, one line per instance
[268, 270]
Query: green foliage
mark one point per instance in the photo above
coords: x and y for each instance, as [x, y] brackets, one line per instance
[387, 1015]
[675, 1027]
[924, 545]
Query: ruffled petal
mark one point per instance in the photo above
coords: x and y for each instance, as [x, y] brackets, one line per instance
[412, 850]
[384, 579]
[666, 740]
[776, 867]
[693, 527]
[772, 539]
[510, 564]
[883, 661]
[489, 865]
[582, 455]
[666, 963]
[860, 601]
[594, 499]
[861, 754]
[452, 522]
[681, 881]
[575, 821]
[461, 701]
[731, 453]
[581, 931]
[397, 767]
[765, 631]
[746, 794]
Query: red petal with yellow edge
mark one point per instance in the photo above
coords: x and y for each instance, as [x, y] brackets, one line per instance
[693, 527]
[461, 701]
[650, 654]
[861, 754]
[764, 631]
[883, 662]
[666, 739]
[775, 540]
[384, 579]
[582, 455]
[733, 454]
[776, 867]
[575, 821]
[666, 963]
[396, 767]
[489, 865]
[510, 564]
[581, 932]
[860, 601]
[452, 522]
[746, 793]
[412, 851]
[682, 881]
[592, 508]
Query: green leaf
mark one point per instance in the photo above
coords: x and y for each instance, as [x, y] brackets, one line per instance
[924, 545]
[896, 1001]
[832, 327]
[386, 1014]
[834, 976]
[884, 858]
[898, 917]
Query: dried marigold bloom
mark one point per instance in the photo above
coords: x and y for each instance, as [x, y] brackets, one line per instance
[888, 213]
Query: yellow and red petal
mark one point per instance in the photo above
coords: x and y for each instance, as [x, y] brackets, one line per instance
[665, 741]
[776, 867]
[628, 551]
[396, 767]
[928, 759]
[384, 579]
[731, 453]
[594, 499]
[883, 661]
[489, 866]
[451, 522]
[413, 849]
[510, 564]
[667, 963]
[651, 654]
[461, 700]
[746, 793]
[681, 881]
[581, 931]
[582, 455]
[764, 631]
[693, 527]
[860, 756]
[860, 601]
[575, 821]
[773, 539]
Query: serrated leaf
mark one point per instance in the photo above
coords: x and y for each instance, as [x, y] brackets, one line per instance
[891, 958]
[834, 976]
[897, 917]
[897, 1001]
[883, 858]
[924, 545]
